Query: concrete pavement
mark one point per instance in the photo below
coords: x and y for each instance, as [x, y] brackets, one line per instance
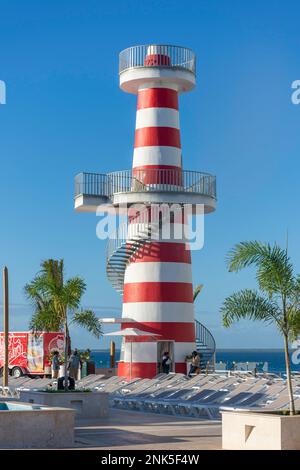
[132, 430]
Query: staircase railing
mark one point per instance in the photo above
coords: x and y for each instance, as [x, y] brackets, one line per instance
[120, 248]
[204, 339]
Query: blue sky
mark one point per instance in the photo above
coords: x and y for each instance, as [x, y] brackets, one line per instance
[65, 113]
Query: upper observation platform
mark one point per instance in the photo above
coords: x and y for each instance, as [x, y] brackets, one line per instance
[157, 65]
[148, 186]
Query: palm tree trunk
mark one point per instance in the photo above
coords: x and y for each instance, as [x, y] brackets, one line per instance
[68, 341]
[66, 354]
[288, 374]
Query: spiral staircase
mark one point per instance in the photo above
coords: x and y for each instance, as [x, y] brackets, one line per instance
[120, 249]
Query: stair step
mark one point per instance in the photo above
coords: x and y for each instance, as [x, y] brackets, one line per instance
[116, 267]
[116, 264]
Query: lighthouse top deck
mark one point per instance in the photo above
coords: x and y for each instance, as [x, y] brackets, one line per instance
[141, 67]
[157, 64]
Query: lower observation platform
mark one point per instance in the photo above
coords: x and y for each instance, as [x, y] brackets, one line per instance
[162, 186]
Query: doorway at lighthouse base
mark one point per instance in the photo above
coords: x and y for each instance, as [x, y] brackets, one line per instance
[162, 348]
[137, 361]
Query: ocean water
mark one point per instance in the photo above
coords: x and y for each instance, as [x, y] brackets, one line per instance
[274, 358]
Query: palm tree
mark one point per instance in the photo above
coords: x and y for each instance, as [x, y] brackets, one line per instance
[276, 301]
[57, 304]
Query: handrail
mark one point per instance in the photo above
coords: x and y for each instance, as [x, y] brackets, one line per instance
[204, 336]
[157, 55]
[146, 180]
[92, 184]
[116, 240]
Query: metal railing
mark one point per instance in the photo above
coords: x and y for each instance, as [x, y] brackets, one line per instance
[120, 248]
[204, 336]
[92, 184]
[152, 55]
[147, 180]
[207, 342]
[117, 240]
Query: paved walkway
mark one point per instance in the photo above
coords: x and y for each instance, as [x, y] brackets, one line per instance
[132, 430]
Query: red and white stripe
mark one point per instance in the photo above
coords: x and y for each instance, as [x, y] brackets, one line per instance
[157, 137]
[158, 293]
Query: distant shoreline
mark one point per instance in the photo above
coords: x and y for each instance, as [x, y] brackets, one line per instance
[274, 358]
[218, 349]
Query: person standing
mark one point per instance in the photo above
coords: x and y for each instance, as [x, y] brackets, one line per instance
[166, 363]
[55, 365]
[195, 364]
[74, 364]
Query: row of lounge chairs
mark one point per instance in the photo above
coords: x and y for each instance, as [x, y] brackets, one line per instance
[176, 394]
[203, 396]
[94, 382]
[15, 385]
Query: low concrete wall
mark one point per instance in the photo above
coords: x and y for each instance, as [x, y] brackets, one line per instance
[36, 429]
[243, 430]
[85, 404]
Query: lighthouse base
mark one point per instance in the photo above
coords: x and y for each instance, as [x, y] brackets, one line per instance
[145, 370]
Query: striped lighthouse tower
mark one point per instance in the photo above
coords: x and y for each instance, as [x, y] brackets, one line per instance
[148, 260]
[158, 293]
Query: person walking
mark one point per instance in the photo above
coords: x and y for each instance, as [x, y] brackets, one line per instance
[166, 363]
[74, 364]
[195, 364]
[55, 365]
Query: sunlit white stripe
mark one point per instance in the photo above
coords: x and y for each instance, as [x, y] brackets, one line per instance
[159, 311]
[158, 49]
[181, 350]
[157, 155]
[147, 351]
[141, 352]
[158, 272]
[157, 117]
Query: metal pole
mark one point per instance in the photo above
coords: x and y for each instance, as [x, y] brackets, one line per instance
[5, 324]
[112, 354]
[66, 380]
[130, 360]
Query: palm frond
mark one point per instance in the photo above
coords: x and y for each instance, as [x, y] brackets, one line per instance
[88, 320]
[45, 320]
[53, 298]
[245, 254]
[294, 327]
[274, 268]
[72, 292]
[53, 270]
[250, 305]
